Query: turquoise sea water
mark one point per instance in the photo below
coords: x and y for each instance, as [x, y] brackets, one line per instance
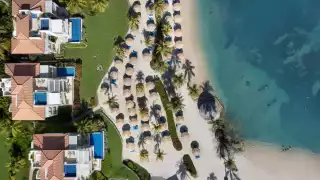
[264, 58]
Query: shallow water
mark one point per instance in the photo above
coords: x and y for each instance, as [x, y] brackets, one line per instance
[264, 57]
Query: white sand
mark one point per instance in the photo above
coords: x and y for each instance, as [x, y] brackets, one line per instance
[258, 162]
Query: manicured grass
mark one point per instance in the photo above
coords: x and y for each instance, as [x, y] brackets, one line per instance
[172, 125]
[100, 32]
[80, 45]
[112, 166]
[4, 158]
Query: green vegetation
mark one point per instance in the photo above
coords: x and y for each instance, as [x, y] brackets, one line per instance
[169, 114]
[112, 166]
[5, 30]
[90, 7]
[189, 165]
[228, 144]
[100, 31]
[140, 171]
[80, 45]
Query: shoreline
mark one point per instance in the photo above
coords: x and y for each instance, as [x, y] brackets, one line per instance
[260, 160]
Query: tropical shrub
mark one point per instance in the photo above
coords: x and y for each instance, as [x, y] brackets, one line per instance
[189, 165]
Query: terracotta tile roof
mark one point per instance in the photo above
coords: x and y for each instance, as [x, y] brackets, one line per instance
[22, 75]
[21, 44]
[52, 148]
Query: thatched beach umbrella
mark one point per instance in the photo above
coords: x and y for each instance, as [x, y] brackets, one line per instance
[114, 75]
[132, 111]
[150, 85]
[130, 146]
[145, 127]
[140, 94]
[151, 27]
[129, 41]
[118, 63]
[129, 104]
[179, 44]
[119, 122]
[126, 93]
[145, 118]
[178, 33]
[177, 18]
[134, 121]
[154, 94]
[133, 60]
[126, 134]
[185, 135]
[180, 55]
[196, 151]
[127, 81]
[129, 71]
[166, 139]
[177, 6]
[134, 31]
[179, 119]
[137, 7]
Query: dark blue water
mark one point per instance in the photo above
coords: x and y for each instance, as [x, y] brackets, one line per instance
[264, 58]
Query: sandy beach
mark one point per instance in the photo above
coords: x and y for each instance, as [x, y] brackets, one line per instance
[259, 161]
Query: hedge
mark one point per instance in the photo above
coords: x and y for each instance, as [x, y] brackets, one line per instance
[142, 173]
[189, 165]
[171, 123]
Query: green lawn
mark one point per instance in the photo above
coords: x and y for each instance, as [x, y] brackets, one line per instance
[112, 166]
[100, 31]
[4, 157]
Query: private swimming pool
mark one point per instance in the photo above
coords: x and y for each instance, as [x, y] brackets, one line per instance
[40, 98]
[76, 29]
[70, 170]
[66, 71]
[97, 141]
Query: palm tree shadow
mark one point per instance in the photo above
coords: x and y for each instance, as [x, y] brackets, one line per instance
[182, 171]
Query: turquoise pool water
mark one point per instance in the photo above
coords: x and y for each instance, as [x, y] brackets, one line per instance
[264, 62]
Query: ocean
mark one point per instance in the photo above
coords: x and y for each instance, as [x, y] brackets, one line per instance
[264, 59]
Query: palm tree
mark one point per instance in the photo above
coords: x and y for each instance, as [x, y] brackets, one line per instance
[188, 70]
[98, 6]
[194, 91]
[176, 103]
[163, 49]
[4, 48]
[156, 128]
[112, 101]
[144, 112]
[231, 169]
[160, 155]
[141, 141]
[119, 47]
[159, 66]
[133, 21]
[224, 146]
[178, 80]
[159, 6]
[144, 155]
[76, 6]
[140, 87]
[166, 29]
[86, 126]
[140, 77]
[148, 42]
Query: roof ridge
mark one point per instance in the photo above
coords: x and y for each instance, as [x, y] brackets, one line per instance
[52, 150]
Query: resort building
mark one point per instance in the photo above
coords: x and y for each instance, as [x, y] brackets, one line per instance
[36, 90]
[66, 156]
[41, 26]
